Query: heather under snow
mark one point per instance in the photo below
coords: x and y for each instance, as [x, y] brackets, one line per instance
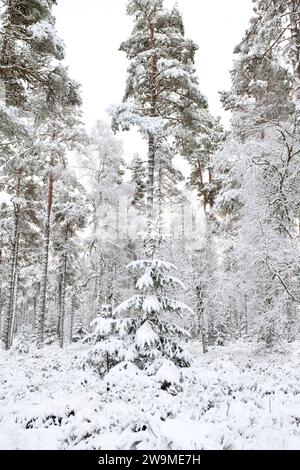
[149, 261]
[232, 398]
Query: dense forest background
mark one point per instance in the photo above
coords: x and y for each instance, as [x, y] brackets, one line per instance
[74, 213]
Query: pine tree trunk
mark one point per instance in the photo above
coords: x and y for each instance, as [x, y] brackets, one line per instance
[63, 305]
[1, 296]
[159, 199]
[40, 318]
[63, 294]
[115, 293]
[1, 308]
[13, 327]
[34, 309]
[151, 167]
[211, 332]
[210, 195]
[294, 8]
[99, 293]
[14, 299]
[7, 321]
[245, 317]
[182, 216]
[201, 191]
[201, 324]
[151, 136]
[118, 221]
[290, 313]
[72, 314]
[59, 293]
[6, 57]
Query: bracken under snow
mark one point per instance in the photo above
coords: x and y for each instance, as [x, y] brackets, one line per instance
[234, 397]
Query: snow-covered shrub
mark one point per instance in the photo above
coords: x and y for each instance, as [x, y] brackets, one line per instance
[80, 333]
[51, 334]
[112, 343]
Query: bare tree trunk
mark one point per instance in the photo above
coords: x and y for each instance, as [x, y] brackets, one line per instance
[1, 296]
[99, 287]
[210, 195]
[118, 214]
[294, 8]
[201, 323]
[7, 321]
[245, 317]
[59, 302]
[63, 294]
[1, 308]
[182, 217]
[151, 136]
[99, 296]
[63, 305]
[34, 308]
[115, 296]
[13, 326]
[160, 198]
[151, 167]
[72, 314]
[290, 314]
[40, 318]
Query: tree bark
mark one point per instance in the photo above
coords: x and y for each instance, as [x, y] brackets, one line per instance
[159, 198]
[151, 168]
[63, 293]
[151, 136]
[99, 294]
[7, 321]
[72, 314]
[1, 308]
[295, 45]
[245, 317]
[201, 325]
[40, 318]
[13, 326]
[59, 302]
[34, 309]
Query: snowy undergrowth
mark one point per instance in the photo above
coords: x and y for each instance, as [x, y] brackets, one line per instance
[232, 398]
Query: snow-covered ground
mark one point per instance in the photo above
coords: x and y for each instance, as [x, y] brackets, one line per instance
[233, 398]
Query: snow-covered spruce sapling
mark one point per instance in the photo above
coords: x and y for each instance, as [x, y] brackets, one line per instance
[80, 332]
[146, 337]
[154, 337]
[111, 341]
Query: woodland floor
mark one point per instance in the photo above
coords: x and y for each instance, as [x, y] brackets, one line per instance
[235, 397]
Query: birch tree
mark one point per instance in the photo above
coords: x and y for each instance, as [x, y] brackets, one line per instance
[260, 193]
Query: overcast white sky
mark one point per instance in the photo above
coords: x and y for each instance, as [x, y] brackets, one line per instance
[93, 30]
